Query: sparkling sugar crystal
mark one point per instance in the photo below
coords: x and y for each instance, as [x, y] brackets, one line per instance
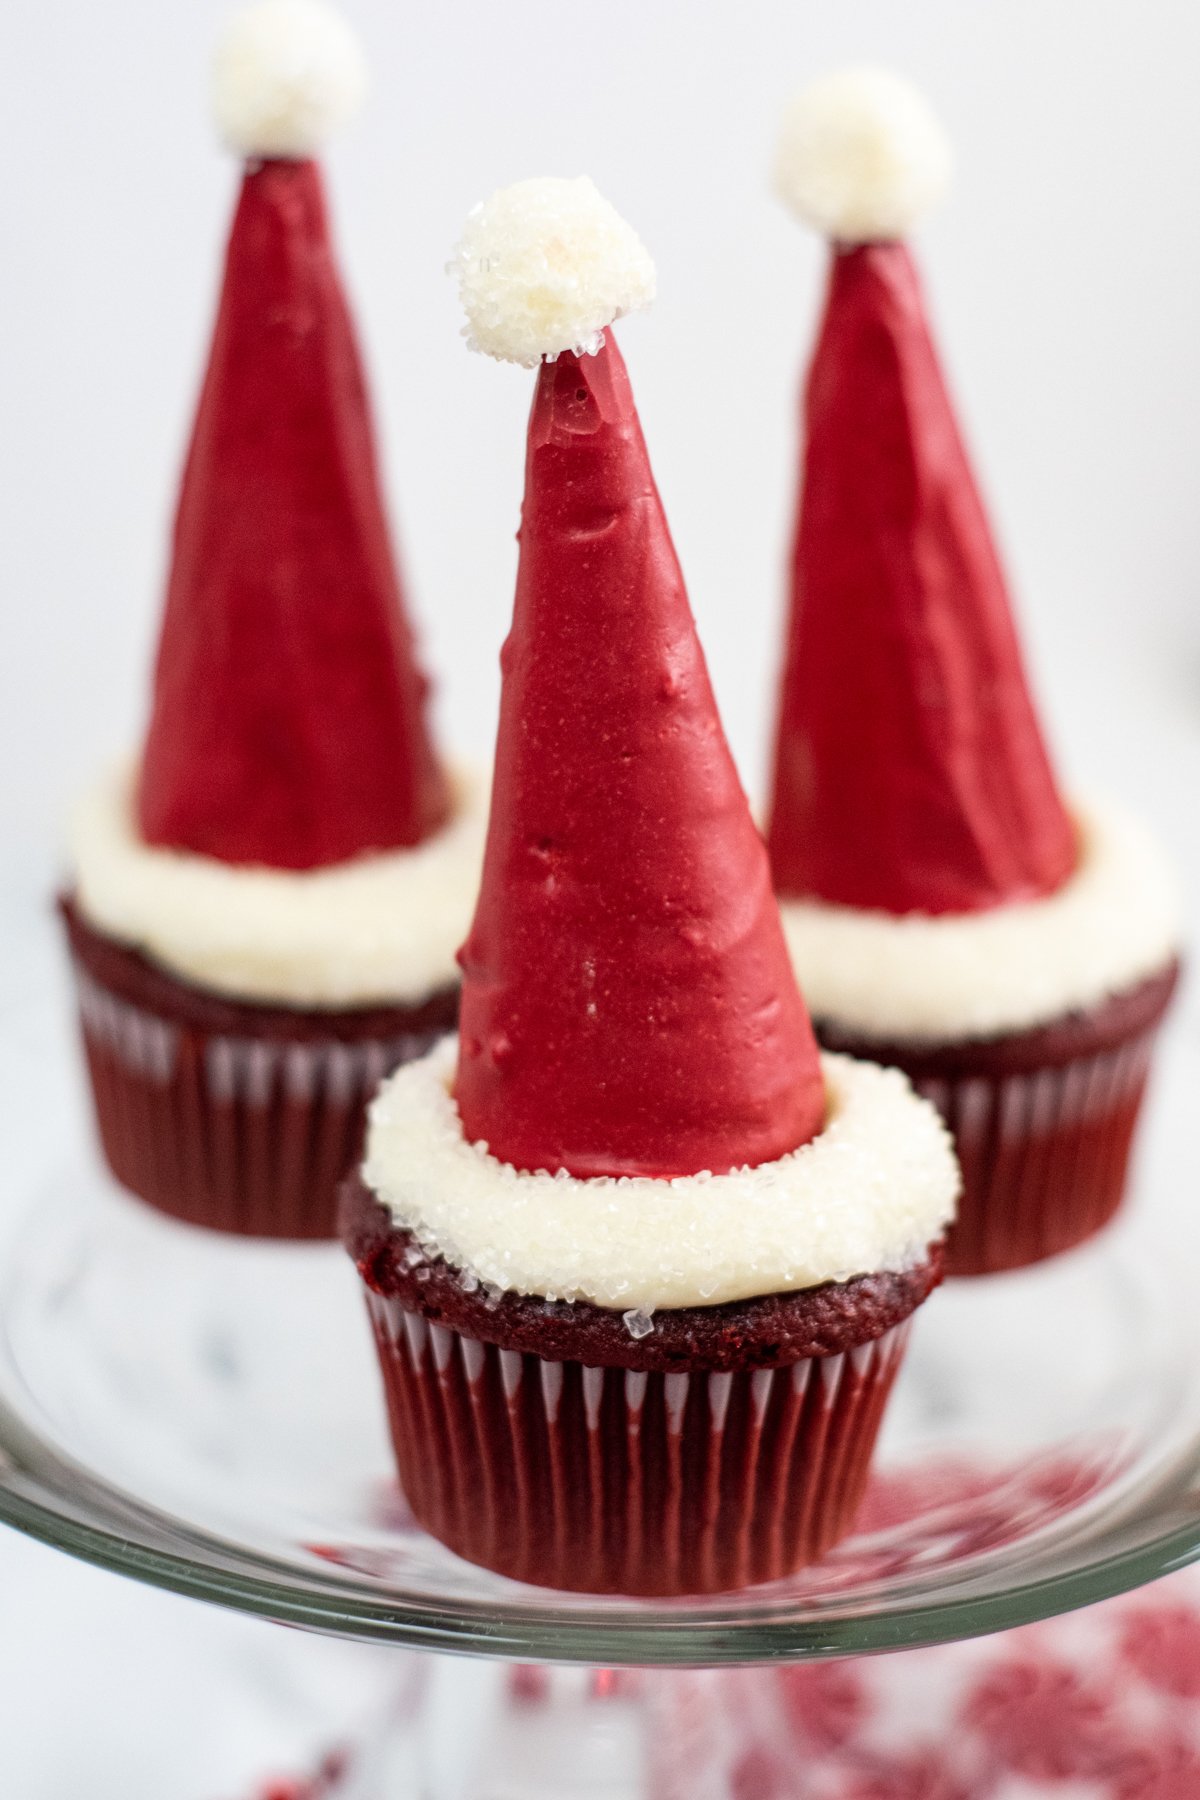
[544, 266]
[637, 1322]
[871, 1192]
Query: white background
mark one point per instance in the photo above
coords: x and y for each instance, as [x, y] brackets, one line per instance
[1064, 277]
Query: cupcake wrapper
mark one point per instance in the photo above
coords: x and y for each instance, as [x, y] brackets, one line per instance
[1044, 1154]
[608, 1480]
[238, 1133]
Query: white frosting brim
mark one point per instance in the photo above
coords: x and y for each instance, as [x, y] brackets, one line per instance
[382, 929]
[1112, 924]
[871, 1192]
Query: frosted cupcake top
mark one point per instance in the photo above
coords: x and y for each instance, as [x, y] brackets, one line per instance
[381, 929]
[871, 1192]
[1114, 922]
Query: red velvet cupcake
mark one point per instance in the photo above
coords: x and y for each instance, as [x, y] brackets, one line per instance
[640, 1263]
[945, 908]
[264, 910]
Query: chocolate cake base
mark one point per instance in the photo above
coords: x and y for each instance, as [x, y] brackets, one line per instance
[227, 1114]
[1043, 1121]
[728, 1445]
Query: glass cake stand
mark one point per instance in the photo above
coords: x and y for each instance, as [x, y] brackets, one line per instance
[204, 1414]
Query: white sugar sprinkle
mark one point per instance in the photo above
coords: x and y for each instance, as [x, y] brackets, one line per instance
[544, 266]
[1113, 923]
[861, 156]
[871, 1192]
[287, 73]
[383, 927]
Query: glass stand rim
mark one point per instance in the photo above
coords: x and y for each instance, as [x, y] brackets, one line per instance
[643, 1639]
[119, 1330]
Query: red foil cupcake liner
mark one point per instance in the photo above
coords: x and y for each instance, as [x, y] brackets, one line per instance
[611, 1480]
[1043, 1124]
[225, 1115]
[1044, 1156]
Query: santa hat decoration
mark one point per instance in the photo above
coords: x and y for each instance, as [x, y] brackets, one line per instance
[627, 1007]
[910, 772]
[288, 725]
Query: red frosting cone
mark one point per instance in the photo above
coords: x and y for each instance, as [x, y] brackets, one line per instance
[910, 771]
[627, 1007]
[288, 724]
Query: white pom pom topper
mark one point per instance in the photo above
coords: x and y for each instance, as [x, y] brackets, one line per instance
[543, 267]
[287, 73]
[861, 156]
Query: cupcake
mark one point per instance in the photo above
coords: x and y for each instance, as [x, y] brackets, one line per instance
[264, 906]
[640, 1262]
[947, 909]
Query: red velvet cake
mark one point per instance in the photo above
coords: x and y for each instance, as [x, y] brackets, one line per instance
[239, 1116]
[730, 1446]
[945, 908]
[264, 910]
[639, 1261]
